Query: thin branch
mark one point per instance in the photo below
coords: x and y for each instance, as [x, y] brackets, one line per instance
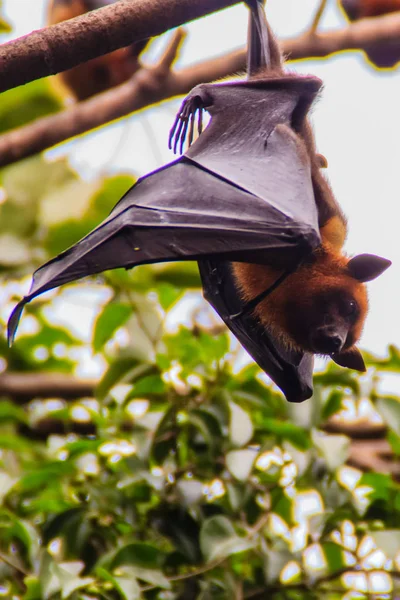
[22, 387]
[318, 16]
[60, 47]
[373, 455]
[378, 30]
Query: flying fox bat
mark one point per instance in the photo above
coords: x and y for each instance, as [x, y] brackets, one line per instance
[248, 201]
[104, 72]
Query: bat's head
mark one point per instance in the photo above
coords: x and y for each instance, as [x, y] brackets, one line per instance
[327, 314]
[321, 307]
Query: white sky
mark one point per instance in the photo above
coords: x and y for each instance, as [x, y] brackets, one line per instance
[357, 125]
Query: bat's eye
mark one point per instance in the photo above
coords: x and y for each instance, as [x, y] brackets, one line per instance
[350, 308]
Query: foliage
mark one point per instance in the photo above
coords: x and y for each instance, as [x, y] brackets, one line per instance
[183, 479]
[184, 476]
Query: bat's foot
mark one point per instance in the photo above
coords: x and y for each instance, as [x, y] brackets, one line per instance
[195, 102]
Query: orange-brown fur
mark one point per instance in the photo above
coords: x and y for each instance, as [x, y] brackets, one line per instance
[293, 303]
[99, 74]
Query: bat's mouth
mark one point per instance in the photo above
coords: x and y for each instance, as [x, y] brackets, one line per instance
[328, 340]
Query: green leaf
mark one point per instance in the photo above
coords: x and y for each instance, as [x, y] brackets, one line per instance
[5, 27]
[26, 103]
[190, 491]
[168, 295]
[113, 316]
[275, 561]
[288, 431]
[381, 485]
[391, 364]
[150, 385]
[240, 425]
[207, 425]
[49, 581]
[26, 533]
[10, 412]
[33, 589]
[184, 275]
[67, 574]
[218, 539]
[334, 556]
[44, 474]
[122, 370]
[394, 441]
[389, 409]
[240, 463]
[282, 505]
[153, 576]
[333, 448]
[332, 405]
[141, 555]
[126, 585]
[388, 541]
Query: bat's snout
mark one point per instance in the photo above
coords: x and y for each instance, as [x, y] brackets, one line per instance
[327, 340]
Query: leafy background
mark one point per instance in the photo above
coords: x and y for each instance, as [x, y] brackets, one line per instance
[181, 473]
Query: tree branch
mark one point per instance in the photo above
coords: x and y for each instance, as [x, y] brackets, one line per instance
[373, 455]
[23, 387]
[378, 30]
[60, 47]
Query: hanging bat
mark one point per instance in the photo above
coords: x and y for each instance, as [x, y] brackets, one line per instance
[104, 72]
[383, 54]
[249, 202]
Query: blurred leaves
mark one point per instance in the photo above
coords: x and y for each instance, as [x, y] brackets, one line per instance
[21, 105]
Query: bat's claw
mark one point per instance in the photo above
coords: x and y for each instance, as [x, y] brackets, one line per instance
[184, 124]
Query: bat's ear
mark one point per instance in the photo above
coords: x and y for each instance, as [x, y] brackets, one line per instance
[321, 161]
[352, 359]
[366, 267]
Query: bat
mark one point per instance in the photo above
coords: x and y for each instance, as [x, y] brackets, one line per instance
[248, 192]
[383, 55]
[102, 73]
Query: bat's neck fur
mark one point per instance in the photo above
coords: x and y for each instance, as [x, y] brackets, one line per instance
[285, 311]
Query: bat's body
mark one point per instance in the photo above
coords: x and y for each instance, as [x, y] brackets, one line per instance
[248, 201]
[104, 72]
[309, 321]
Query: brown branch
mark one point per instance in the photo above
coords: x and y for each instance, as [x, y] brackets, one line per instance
[22, 387]
[373, 455]
[358, 35]
[318, 16]
[356, 429]
[60, 47]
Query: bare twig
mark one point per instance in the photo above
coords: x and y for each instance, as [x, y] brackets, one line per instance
[358, 35]
[60, 47]
[318, 16]
[22, 387]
